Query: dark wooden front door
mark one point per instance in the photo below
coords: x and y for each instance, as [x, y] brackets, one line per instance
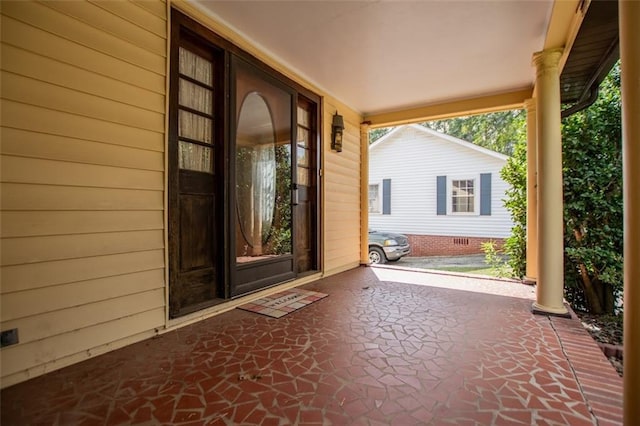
[194, 187]
[263, 162]
[243, 172]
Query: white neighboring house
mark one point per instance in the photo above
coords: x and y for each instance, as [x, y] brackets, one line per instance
[444, 193]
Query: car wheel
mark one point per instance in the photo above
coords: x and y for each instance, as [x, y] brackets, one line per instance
[376, 256]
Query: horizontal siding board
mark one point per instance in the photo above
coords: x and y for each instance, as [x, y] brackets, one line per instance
[337, 235]
[49, 172]
[51, 324]
[31, 276]
[339, 208]
[341, 179]
[29, 64]
[82, 178]
[157, 7]
[67, 27]
[337, 258]
[106, 21]
[14, 358]
[46, 95]
[36, 223]
[35, 40]
[47, 299]
[21, 116]
[17, 251]
[343, 188]
[135, 14]
[46, 146]
[47, 197]
[342, 173]
[348, 252]
[343, 197]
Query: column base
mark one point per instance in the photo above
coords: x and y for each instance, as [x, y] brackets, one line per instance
[529, 281]
[545, 310]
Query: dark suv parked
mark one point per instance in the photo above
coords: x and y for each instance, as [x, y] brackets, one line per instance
[387, 247]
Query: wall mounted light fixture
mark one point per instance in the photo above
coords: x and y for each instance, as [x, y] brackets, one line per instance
[337, 130]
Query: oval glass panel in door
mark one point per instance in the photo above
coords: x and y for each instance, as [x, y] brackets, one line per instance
[255, 173]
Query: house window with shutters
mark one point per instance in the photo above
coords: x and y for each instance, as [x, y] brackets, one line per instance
[464, 195]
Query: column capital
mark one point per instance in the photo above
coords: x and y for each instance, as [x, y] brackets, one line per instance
[546, 59]
[530, 104]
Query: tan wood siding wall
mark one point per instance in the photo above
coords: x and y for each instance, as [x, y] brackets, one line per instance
[82, 179]
[341, 192]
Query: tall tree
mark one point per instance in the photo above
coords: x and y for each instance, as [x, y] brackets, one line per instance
[498, 131]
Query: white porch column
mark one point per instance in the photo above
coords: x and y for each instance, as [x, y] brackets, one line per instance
[364, 193]
[549, 294]
[629, 15]
[532, 195]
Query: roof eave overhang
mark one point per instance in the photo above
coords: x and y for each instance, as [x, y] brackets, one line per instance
[594, 52]
[476, 105]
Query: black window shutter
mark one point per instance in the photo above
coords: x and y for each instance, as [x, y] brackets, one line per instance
[485, 194]
[442, 195]
[386, 196]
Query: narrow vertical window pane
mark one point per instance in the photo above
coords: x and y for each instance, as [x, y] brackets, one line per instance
[303, 137]
[374, 205]
[195, 67]
[303, 157]
[195, 157]
[303, 117]
[303, 176]
[194, 126]
[195, 97]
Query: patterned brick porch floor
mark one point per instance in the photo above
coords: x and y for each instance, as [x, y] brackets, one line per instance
[386, 347]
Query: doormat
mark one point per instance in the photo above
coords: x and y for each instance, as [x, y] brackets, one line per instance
[283, 303]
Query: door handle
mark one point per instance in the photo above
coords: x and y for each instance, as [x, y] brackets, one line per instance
[294, 195]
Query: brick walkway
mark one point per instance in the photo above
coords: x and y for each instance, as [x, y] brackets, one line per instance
[378, 350]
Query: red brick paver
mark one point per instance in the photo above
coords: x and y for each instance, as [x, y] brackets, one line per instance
[378, 350]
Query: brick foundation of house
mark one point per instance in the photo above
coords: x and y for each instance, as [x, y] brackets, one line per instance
[438, 245]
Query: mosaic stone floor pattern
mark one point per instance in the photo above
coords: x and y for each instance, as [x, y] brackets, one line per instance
[376, 352]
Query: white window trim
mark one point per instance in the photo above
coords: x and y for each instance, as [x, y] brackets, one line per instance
[379, 203]
[476, 194]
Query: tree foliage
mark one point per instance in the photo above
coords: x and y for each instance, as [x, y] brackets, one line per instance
[498, 131]
[593, 212]
[515, 174]
[375, 134]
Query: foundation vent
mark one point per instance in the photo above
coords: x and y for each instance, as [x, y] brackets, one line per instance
[461, 241]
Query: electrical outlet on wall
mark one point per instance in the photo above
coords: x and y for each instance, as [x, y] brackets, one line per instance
[8, 337]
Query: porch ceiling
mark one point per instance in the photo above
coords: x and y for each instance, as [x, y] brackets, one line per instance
[381, 56]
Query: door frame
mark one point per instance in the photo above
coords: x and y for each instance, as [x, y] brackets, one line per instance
[225, 160]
